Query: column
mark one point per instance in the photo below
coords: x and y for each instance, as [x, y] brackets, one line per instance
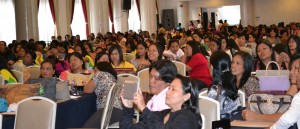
[183, 14]
[148, 15]
[26, 19]
[104, 19]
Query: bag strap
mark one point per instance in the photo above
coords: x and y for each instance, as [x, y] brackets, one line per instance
[274, 62]
[258, 102]
[280, 104]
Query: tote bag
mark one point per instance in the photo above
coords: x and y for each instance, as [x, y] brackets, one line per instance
[274, 82]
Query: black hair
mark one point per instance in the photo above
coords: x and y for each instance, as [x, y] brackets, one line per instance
[261, 65]
[222, 74]
[49, 61]
[119, 49]
[247, 59]
[78, 55]
[167, 70]
[191, 86]
[160, 50]
[106, 67]
[131, 44]
[217, 41]
[99, 55]
[195, 48]
[32, 54]
[89, 45]
[173, 41]
[83, 51]
[297, 40]
[145, 46]
[64, 45]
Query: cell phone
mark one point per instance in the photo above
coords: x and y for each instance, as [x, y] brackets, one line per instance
[130, 87]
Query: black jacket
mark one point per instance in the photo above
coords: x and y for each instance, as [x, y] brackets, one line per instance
[182, 119]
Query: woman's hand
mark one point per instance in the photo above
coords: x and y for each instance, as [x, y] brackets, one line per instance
[249, 115]
[127, 103]
[284, 57]
[138, 99]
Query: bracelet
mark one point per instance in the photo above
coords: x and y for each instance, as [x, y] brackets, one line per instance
[293, 83]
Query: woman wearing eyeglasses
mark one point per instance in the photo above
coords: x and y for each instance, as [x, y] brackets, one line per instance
[181, 97]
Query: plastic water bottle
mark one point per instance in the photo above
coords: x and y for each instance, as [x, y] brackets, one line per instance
[41, 91]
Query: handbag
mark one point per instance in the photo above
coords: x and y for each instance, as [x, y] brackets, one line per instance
[17, 92]
[62, 91]
[269, 103]
[273, 79]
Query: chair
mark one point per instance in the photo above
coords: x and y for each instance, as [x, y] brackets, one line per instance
[180, 67]
[203, 92]
[242, 97]
[203, 121]
[34, 71]
[19, 76]
[1, 81]
[129, 57]
[144, 80]
[36, 113]
[210, 109]
[107, 111]
[241, 94]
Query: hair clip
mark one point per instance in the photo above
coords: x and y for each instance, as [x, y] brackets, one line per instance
[226, 70]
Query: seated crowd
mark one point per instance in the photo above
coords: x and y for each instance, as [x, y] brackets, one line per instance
[221, 60]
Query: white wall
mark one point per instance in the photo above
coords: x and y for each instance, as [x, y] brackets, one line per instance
[253, 12]
[274, 11]
[246, 7]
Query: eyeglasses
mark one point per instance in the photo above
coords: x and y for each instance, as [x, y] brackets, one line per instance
[46, 68]
[156, 78]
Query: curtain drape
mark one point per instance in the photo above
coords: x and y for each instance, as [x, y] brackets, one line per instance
[51, 4]
[7, 22]
[72, 13]
[138, 8]
[111, 16]
[83, 3]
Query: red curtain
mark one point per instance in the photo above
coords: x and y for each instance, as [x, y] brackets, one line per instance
[111, 16]
[51, 3]
[72, 13]
[85, 17]
[138, 7]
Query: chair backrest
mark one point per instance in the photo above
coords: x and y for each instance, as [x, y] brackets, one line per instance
[203, 121]
[1, 80]
[210, 108]
[144, 80]
[130, 77]
[36, 113]
[19, 75]
[34, 71]
[203, 92]
[180, 67]
[129, 57]
[107, 111]
[242, 98]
